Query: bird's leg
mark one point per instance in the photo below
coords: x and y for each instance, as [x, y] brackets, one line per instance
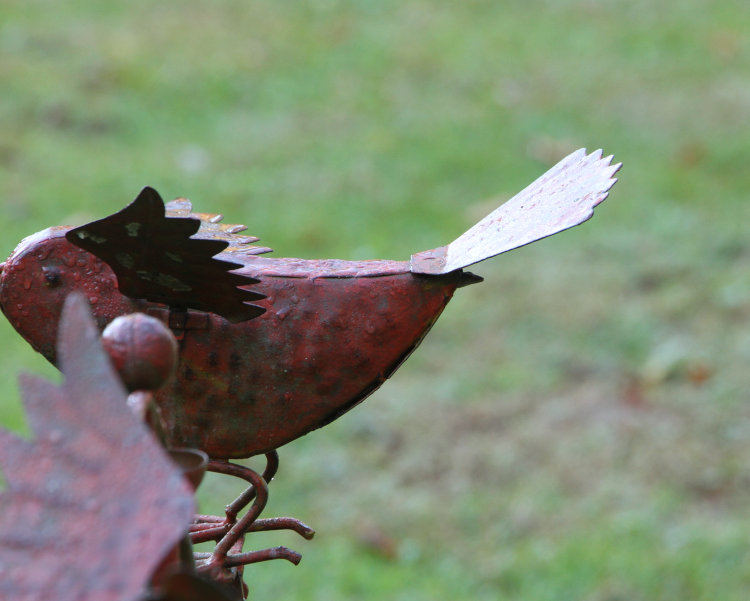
[211, 527]
[272, 466]
[229, 532]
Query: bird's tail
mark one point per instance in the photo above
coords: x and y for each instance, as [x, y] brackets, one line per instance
[563, 197]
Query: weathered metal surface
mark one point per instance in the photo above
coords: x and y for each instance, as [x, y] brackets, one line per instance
[157, 258]
[92, 503]
[212, 228]
[185, 586]
[562, 198]
[226, 562]
[325, 344]
[332, 330]
[144, 353]
[235, 528]
[40, 274]
[192, 463]
[142, 349]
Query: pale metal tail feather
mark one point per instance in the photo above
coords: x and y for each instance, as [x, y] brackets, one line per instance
[563, 197]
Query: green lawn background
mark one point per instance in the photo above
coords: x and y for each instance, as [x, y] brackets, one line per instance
[577, 427]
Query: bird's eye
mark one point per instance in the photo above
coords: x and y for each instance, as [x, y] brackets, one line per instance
[52, 276]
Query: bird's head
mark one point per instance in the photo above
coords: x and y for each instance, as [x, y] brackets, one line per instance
[37, 277]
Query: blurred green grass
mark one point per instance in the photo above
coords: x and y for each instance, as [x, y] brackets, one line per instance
[577, 427]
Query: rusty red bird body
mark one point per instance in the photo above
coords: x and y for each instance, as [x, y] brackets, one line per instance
[323, 344]
[304, 340]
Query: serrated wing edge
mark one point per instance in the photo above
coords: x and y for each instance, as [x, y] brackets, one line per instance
[212, 228]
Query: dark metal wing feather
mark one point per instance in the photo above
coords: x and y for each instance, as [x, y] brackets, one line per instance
[170, 257]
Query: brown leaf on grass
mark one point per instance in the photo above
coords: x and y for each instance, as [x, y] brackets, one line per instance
[725, 45]
[378, 542]
[634, 393]
[691, 154]
[92, 503]
[699, 373]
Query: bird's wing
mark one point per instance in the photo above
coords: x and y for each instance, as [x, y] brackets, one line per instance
[211, 228]
[169, 257]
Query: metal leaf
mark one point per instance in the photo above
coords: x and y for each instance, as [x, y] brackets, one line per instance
[92, 502]
[166, 259]
[183, 586]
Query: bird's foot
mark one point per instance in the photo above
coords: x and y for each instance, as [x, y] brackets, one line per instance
[225, 562]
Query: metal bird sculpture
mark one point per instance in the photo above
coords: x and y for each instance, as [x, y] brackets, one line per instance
[270, 348]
